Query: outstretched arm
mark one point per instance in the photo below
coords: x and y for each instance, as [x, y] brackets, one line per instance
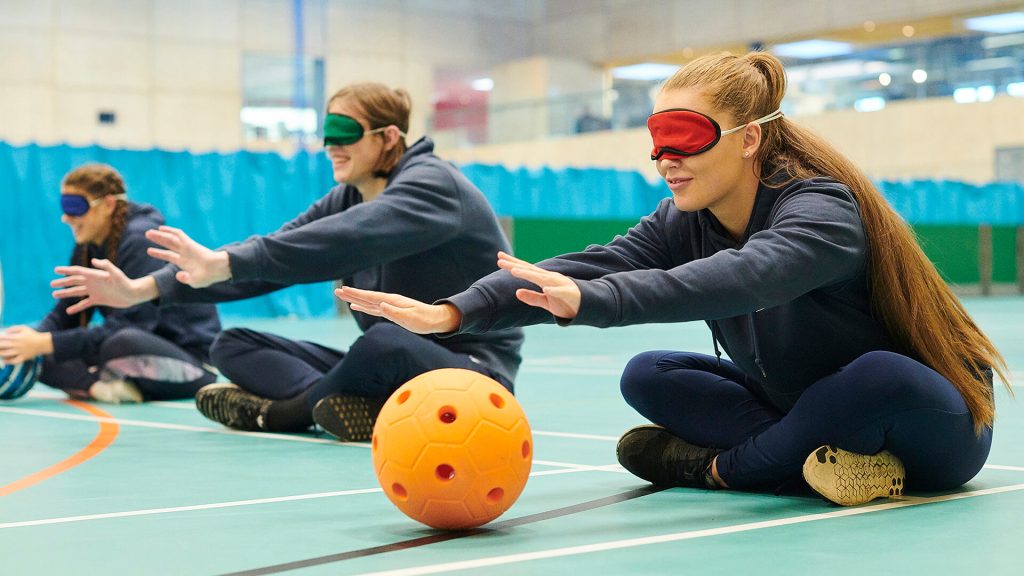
[413, 315]
[558, 294]
[199, 266]
[104, 285]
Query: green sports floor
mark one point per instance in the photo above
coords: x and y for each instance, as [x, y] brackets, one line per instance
[158, 489]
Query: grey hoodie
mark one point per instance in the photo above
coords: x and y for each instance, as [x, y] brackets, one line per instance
[431, 233]
[789, 303]
[192, 327]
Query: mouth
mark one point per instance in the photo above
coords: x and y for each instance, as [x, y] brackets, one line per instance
[677, 182]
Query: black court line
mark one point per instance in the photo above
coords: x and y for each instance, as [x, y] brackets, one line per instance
[453, 535]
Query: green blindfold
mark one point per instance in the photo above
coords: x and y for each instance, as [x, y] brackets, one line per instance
[341, 130]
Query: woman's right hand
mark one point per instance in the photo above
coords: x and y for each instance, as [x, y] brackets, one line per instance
[413, 315]
[104, 285]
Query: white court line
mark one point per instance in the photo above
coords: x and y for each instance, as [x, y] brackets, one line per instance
[569, 370]
[178, 405]
[165, 426]
[266, 435]
[635, 542]
[307, 439]
[67, 519]
[577, 436]
[998, 467]
[570, 469]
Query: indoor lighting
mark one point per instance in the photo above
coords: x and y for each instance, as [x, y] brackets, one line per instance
[919, 76]
[482, 84]
[812, 49]
[965, 95]
[869, 104]
[884, 79]
[997, 23]
[645, 71]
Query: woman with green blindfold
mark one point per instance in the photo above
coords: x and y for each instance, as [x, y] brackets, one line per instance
[399, 215]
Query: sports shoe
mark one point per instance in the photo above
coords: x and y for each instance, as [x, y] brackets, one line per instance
[349, 418]
[233, 407]
[848, 478]
[656, 455]
[115, 392]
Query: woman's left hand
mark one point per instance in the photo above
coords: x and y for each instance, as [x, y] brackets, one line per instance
[21, 343]
[558, 294]
[200, 266]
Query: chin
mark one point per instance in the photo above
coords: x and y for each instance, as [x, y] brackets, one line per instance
[684, 205]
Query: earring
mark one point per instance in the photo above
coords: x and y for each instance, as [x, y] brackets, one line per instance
[746, 154]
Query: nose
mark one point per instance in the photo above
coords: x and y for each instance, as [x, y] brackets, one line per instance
[666, 162]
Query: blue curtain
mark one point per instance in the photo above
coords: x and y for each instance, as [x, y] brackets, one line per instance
[215, 198]
[223, 198]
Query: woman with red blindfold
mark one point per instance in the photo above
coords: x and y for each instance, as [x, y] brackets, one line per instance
[851, 362]
[141, 353]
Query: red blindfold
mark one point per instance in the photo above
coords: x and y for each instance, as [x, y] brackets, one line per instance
[679, 132]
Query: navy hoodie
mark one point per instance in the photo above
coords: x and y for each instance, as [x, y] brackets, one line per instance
[429, 234]
[789, 303]
[192, 327]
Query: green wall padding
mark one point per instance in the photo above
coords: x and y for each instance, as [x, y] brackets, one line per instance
[1004, 261]
[953, 249]
[537, 239]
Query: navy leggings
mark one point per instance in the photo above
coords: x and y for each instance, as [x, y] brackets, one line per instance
[161, 369]
[880, 401]
[379, 361]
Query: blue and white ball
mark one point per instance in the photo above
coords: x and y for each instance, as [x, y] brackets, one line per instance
[17, 379]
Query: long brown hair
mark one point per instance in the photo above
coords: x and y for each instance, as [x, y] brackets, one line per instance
[917, 309]
[382, 106]
[97, 181]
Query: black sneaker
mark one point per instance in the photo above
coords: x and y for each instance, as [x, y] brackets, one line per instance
[233, 407]
[848, 478]
[349, 418]
[654, 454]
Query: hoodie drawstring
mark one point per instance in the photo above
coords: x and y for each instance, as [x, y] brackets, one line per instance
[757, 348]
[714, 341]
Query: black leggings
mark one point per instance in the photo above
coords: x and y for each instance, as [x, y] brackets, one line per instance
[880, 401]
[382, 359]
[161, 369]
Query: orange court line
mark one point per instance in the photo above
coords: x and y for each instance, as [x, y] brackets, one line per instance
[105, 437]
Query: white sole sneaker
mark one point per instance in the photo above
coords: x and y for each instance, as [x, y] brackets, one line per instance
[115, 392]
[848, 478]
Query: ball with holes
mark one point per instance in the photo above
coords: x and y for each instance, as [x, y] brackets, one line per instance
[452, 449]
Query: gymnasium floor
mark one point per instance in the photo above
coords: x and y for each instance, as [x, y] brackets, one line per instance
[158, 489]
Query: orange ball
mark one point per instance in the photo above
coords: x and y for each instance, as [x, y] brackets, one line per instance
[452, 449]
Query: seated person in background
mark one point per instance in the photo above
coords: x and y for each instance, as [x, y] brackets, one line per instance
[400, 214]
[852, 362]
[145, 352]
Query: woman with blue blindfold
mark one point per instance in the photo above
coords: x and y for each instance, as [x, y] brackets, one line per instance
[398, 215]
[852, 366]
[141, 353]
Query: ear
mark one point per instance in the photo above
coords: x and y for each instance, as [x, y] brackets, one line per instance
[109, 204]
[391, 137]
[751, 140]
